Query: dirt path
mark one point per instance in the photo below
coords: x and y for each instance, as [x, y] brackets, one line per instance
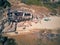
[53, 24]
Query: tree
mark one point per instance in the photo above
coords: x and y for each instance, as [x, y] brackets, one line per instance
[4, 3]
[10, 42]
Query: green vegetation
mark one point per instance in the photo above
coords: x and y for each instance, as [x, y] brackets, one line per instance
[46, 3]
[29, 2]
[7, 41]
[4, 4]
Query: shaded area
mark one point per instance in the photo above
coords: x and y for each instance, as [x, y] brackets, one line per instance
[7, 41]
[4, 3]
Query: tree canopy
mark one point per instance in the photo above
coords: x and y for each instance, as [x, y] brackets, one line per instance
[4, 3]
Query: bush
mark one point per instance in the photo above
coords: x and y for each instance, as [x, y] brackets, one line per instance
[4, 3]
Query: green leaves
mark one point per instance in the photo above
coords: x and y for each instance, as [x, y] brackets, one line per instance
[4, 3]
